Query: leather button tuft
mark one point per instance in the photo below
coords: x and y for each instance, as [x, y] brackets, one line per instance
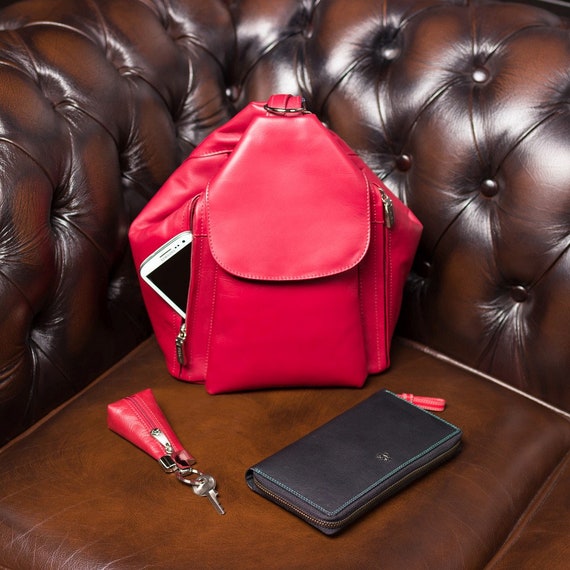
[404, 162]
[489, 187]
[387, 45]
[390, 52]
[232, 93]
[519, 293]
[424, 269]
[480, 74]
[308, 31]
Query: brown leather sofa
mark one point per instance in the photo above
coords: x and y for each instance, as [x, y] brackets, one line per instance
[462, 107]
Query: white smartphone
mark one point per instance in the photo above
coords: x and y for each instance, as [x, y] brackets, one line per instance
[167, 271]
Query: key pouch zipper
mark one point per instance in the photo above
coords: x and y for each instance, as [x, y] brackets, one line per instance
[139, 419]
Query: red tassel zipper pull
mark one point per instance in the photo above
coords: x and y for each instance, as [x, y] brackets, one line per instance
[425, 402]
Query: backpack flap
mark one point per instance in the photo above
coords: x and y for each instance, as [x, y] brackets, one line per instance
[289, 204]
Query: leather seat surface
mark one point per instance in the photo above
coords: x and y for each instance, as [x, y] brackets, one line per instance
[75, 495]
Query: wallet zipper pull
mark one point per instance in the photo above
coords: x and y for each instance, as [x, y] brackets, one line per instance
[180, 340]
[426, 402]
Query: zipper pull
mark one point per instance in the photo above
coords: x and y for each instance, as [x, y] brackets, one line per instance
[162, 439]
[426, 402]
[389, 217]
[180, 340]
[166, 461]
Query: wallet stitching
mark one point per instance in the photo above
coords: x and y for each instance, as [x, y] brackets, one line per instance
[456, 432]
[423, 410]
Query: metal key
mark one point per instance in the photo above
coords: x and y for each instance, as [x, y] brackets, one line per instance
[205, 486]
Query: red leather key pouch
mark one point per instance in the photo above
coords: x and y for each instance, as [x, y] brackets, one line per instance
[298, 260]
[139, 419]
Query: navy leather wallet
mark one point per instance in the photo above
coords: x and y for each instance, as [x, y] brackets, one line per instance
[335, 474]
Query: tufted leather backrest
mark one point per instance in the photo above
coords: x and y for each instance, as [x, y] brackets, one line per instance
[461, 107]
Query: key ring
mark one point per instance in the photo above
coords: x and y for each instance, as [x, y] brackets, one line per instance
[203, 485]
[181, 475]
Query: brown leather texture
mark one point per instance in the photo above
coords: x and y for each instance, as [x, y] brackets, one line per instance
[73, 494]
[461, 107]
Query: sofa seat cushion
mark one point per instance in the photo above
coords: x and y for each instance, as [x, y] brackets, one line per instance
[75, 495]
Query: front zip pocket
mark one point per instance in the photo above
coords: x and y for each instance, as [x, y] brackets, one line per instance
[181, 336]
[180, 340]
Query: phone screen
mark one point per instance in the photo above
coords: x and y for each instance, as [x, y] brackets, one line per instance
[172, 277]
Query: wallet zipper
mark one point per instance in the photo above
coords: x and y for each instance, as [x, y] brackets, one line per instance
[338, 524]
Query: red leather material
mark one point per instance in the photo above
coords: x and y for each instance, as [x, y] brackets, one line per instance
[284, 101]
[297, 276]
[286, 335]
[275, 213]
[133, 418]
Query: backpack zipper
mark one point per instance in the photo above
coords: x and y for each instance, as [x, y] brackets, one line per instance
[389, 216]
[180, 339]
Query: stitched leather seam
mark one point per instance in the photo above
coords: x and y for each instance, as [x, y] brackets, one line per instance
[388, 293]
[196, 250]
[374, 240]
[369, 488]
[211, 330]
[315, 275]
[211, 153]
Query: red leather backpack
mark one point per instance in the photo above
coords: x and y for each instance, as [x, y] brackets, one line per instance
[298, 262]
